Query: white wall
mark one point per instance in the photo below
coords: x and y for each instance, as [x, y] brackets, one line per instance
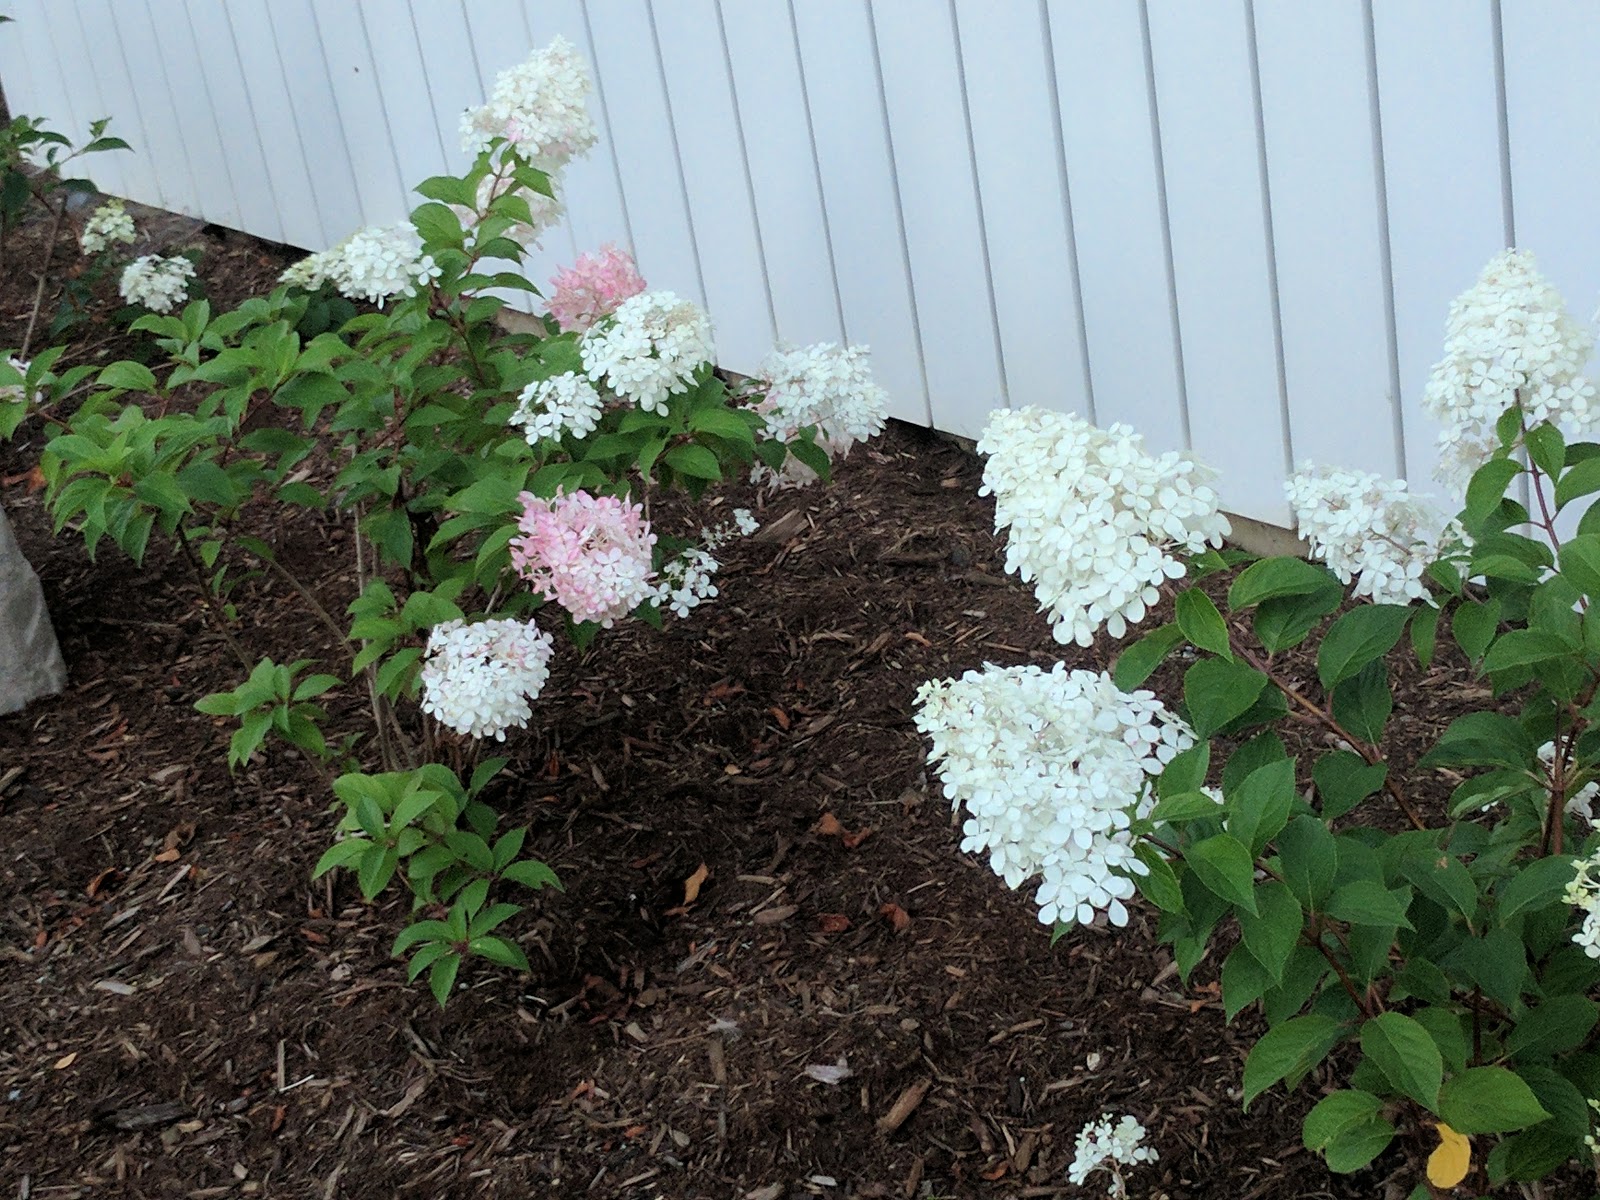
[1236, 225]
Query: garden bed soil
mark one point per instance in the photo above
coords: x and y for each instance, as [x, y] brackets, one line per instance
[183, 1012]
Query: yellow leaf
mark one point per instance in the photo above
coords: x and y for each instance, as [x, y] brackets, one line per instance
[1447, 1165]
[691, 885]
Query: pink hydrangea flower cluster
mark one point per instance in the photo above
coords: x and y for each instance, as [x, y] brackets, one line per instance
[593, 287]
[590, 554]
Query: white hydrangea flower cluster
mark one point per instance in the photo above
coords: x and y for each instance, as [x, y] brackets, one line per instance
[1052, 767]
[540, 105]
[1370, 530]
[107, 226]
[1508, 338]
[1095, 521]
[549, 408]
[372, 264]
[160, 284]
[1102, 1146]
[1583, 893]
[478, 679]
[827, 386]
[649, 349]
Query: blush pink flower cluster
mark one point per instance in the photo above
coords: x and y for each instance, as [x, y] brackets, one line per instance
[590, 554]
[593, 287]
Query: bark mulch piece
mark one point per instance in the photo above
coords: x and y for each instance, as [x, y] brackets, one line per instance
[772, 973]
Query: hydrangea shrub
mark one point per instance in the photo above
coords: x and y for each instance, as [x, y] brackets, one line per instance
[496, 481]
[1423, 937]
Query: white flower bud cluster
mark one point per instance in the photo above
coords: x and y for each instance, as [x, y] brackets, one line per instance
[1370, 530]
[478, 679]
[1052, 767]
[16, 393]
[540, 106]
[1583, 893]
[1102, 1146]
[1095, 521]
[685, 581]
[1508, 338]
[827, 386]
[108, 225]
[565, 403]
[649, 349]
[160, 284]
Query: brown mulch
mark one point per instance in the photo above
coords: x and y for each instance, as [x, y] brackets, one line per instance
[183, 1012]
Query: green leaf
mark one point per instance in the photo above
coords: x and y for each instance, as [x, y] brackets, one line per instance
[1489, 1100]
[499, 950]
[1226, 868]
[532, 873]
[1360, 636]
[1259, 807]
[1244, 981]
[1284, 621]
[1288, 1051]
[1140, 660]
[1487, 489]
[1274, 577]
[1425, 634]
[1274, 931]
[1473, 626]
[340, 854]
[1560, 1024]
[129, 376]
[1308, 859]
[1525, 648]
[1357, 1145]
[1344, 779]
[1406, 1055]
[1186, 772]
[1482, 739]
[1216, 691]
[1335, 1113]
[1182, 807]
[1159, 884]
[694, 461]
[1534, 886]
[1201, 623]
[1547, 448]
[442, 979]
[1363, 704]
[1580, 479]
[1580, 563]
[1368, 902]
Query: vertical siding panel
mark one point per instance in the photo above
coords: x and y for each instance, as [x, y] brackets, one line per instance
[858, 190]
[625, 56]
[168, 147]
[362, 115]
[178, 59]
[593, 196]
[1220, 254]
[1553, 115]
[403, 91]
[317, 116]
[96, 97]
[1436, 89]
[124, 103]
[282, 143]
[1110, 152]
[714, 176]
[1008, 66]
[922, 89]
[772, 105]
[27, 41]
[229, 103]
[1327, 233]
